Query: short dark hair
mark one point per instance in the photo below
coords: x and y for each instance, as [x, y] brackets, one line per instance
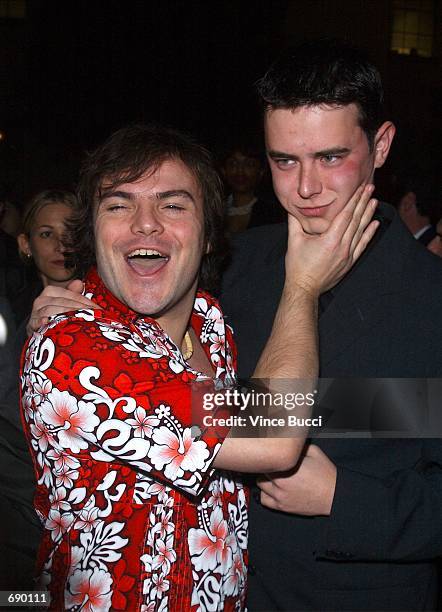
[124, 158]
[325, 71]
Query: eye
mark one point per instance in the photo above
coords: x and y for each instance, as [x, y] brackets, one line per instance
[45, 234]
[173, 207]
[331, 159]
[116, 206]
[284, 163]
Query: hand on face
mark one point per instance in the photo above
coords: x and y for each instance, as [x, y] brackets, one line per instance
[316, 262]
[318, 156]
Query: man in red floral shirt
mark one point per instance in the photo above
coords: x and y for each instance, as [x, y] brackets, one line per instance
[135, 516]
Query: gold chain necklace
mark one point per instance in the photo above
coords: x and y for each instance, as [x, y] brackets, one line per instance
[188, 351]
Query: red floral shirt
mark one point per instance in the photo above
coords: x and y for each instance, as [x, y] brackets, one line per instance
[135, 518]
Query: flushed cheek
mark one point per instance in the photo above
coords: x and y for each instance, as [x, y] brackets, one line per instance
[345, 180]
[346, 171]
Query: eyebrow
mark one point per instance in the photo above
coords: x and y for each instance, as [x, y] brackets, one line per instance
[332, 151]
[183, 193]
[161, 195]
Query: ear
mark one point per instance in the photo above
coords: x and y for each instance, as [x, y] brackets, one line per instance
[23, 245]
[382, 143]
[208, 248]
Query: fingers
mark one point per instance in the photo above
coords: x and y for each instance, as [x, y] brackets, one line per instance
[268, 501]
[294, 225]
[58, 296]
[352, 211]
[267, 494]
[360, 229]
[46, 306]
[76, 286]
[364, 222]
[365, 239]
[362, 211]
[34, 323]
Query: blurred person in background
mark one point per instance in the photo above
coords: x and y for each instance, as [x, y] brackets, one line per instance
[11, 219]
[40, 246]
[419, 206]
[436, 244]
[243, 169]
[12, 270]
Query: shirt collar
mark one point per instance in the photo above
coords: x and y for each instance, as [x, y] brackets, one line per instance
[422, 231]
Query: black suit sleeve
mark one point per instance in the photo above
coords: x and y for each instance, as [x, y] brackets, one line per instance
[396, 518]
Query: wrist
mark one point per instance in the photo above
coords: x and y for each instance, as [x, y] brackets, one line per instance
[302, 290]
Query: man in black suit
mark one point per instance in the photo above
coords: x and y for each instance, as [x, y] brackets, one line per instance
[418, 204]
[358, 524]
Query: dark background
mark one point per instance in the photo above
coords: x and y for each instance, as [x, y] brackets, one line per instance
[73, 71]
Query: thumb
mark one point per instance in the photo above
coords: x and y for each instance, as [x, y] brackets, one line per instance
[76, 286]
[312, 450]
[294, 225]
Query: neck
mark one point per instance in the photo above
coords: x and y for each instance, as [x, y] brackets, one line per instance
[175, 321]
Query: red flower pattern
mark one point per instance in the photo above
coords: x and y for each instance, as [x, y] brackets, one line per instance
[115, 463]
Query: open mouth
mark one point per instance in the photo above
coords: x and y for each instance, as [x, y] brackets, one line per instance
[146, 261]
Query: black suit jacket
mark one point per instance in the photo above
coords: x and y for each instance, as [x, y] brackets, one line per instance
[377, 549]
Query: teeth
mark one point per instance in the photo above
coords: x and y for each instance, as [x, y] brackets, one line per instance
[145, 253]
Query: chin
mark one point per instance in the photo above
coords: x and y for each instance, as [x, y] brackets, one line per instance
[315, 226]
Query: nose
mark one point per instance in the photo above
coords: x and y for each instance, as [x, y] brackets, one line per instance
[309, 182]
[146, 220]
[59, 247]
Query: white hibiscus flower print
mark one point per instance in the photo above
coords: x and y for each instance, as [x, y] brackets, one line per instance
[166, 555]
[212, 548]
[63, 462]
[236, 575]
[42, 387]
[160, 586]
[216, 494]
[41, 433]
[72, 421]
[176, 453]
[218, 343]
[58, 523]
[165, 526]
[58, 499]
[88, 519]
[90, 590]
[142, 423]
